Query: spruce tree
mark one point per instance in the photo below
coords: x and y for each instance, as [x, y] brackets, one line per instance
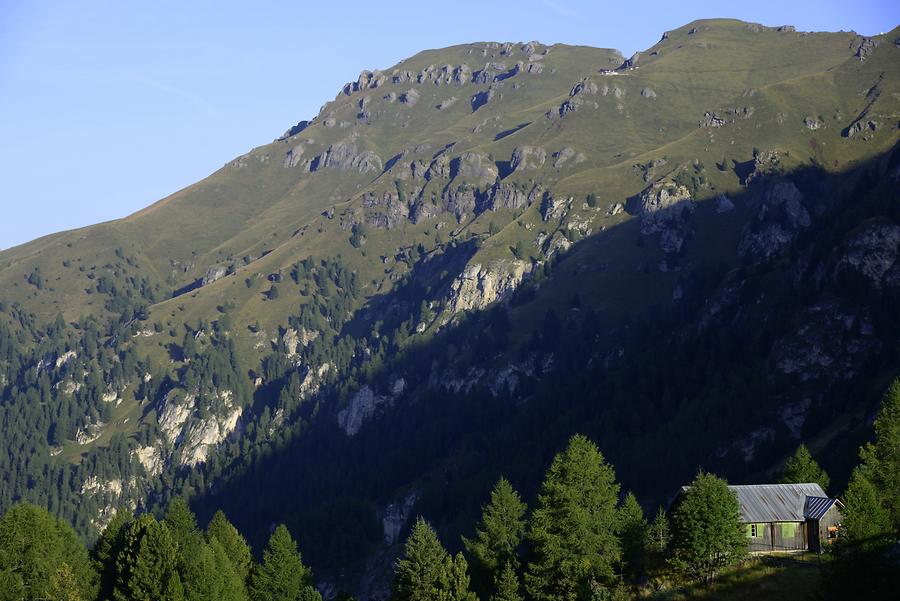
[632, 529]
[573, 530]
[282, 576]
[498, 536]
[881, 458]
[865, 519]
[803, 468]
[658, 534]
[420, 574]
[233, 543]
[147, 566]
[507, 585]
[455, 585]
[707, 531]
[107, 549]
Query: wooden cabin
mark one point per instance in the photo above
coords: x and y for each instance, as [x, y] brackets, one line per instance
[788, 517]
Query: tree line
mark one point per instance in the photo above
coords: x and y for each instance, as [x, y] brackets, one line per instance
[583, 540]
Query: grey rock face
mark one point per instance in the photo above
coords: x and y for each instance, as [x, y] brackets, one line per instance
[474, 166]
[346, 155]
[712, 120]
[293, 156]
[410, 97]
[865, 48]
[479, 286]
[861, 127]
[385, 211]
[872, 253]
[830, 343]
[780, 218]
[662, 204]
[525, 158]
[507, 196]
[553, 207]
[562, 156]
[216, 272]
[360, 408]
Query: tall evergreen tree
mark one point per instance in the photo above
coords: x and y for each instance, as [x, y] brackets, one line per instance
[658, 534]
[881, 458]
[498, 536]
[801, 467]
[865, 519]
[507, 585]
[456, 580]
[41, 556]
[282, 576]
[573, 530]
[233, 543]
[632, 530]
[147, 566]
[708, 535]
[107, 549]
[419, 574]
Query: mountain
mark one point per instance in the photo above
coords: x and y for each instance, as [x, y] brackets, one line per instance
[690, 255]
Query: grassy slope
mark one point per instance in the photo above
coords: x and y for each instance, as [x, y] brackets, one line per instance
[255, 206]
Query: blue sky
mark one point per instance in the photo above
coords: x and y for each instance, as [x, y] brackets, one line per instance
[106, 107]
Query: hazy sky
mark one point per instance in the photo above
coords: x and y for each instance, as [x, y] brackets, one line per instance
[106, 107]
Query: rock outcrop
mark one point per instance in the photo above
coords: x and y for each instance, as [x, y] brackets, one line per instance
[480, 286]
[781, 216]
[526, 158]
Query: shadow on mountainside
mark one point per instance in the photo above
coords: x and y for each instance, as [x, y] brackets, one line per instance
[664, 388]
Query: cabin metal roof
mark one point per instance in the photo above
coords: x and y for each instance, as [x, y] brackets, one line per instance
[816, 507]
[780, 502]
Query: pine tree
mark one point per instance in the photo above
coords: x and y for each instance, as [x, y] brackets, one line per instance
[803, 468]
[498, 536]
[708, 534]
[282, 576]
[147, 566]
[881, 458]
[632, 529]
[419, 575]
[507, 585]
[573, 530]
[865, 519]
[233, 544]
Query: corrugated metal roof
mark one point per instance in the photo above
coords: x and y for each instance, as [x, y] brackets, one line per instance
[776, 502]
[816, 507]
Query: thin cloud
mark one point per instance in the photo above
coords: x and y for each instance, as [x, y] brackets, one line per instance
[559, 8]
[172, 90]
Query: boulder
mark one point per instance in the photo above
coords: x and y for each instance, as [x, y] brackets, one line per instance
[216, 272]
[525, 158]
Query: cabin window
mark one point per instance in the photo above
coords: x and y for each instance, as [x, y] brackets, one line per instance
[788, 529]
[755, 530]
